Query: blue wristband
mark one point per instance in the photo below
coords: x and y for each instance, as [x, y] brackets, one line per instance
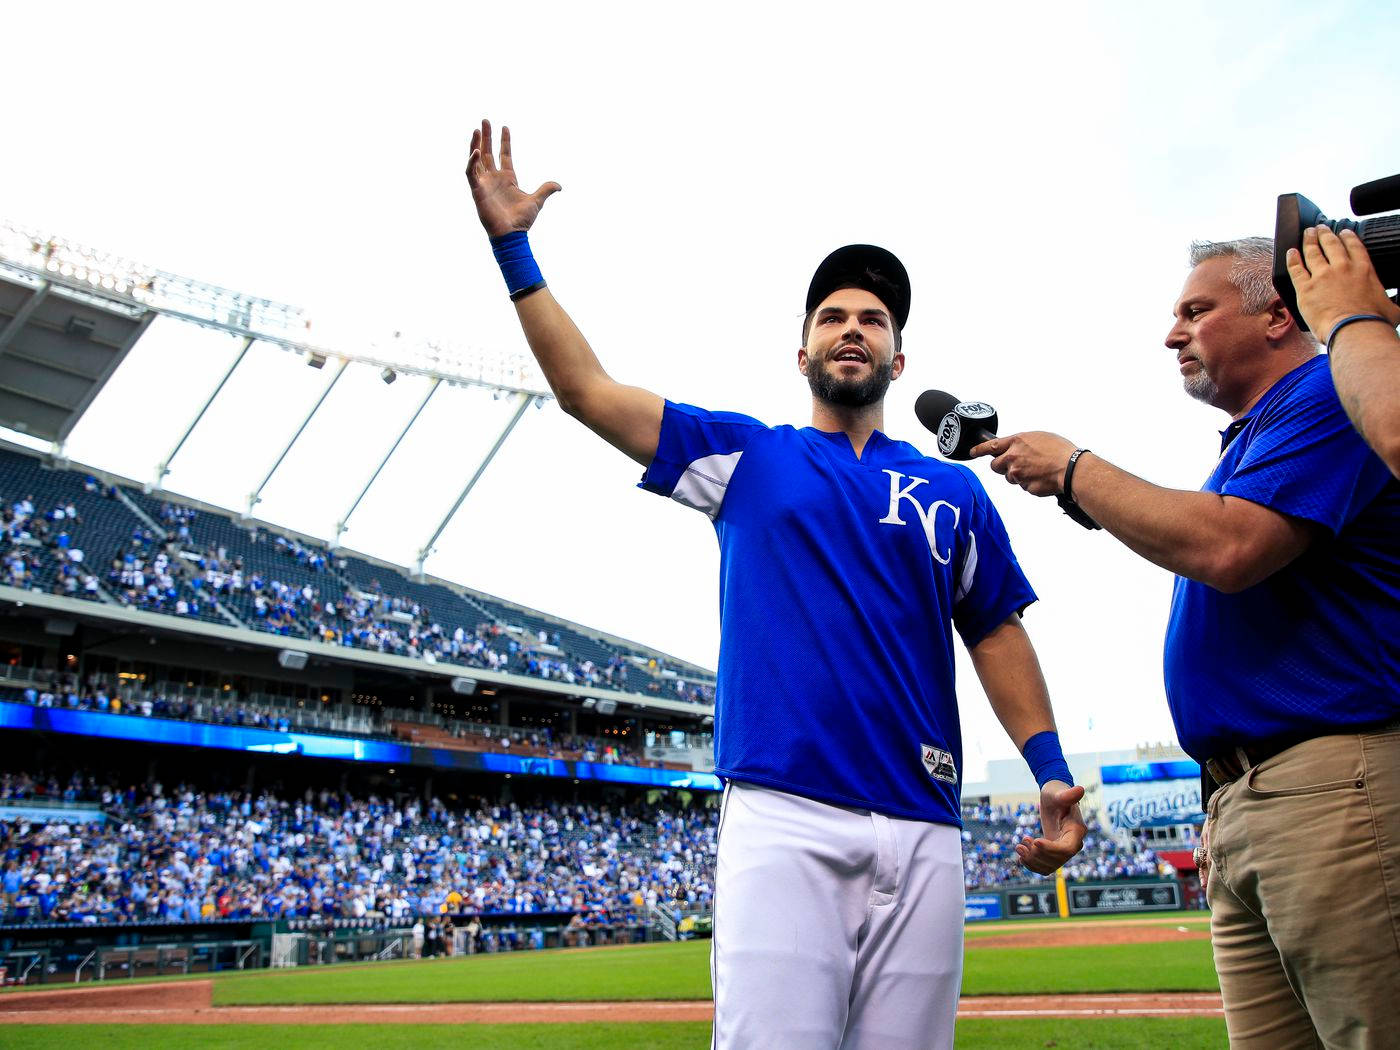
[1042, 753]
[1332, 335]
[517, 263]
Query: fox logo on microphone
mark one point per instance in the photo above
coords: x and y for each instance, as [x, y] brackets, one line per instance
[949, 431]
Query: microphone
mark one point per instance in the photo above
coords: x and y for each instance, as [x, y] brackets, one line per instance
[960, 426]
[1377, 196]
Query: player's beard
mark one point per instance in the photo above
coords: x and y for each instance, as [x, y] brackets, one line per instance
[850, 393]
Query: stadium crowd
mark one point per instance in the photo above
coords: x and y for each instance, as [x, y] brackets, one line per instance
[990, 834]
[171, 572]
[368, 617]
[26, 533]
[186, 855]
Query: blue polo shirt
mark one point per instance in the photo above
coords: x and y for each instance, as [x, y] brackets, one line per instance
[1315, 648]
[842, 579]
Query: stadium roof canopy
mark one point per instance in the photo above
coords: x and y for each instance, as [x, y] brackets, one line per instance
[58, 347]
[69, 314]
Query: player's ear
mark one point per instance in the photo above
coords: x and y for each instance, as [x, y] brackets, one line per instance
[897, 366]
[802, 359]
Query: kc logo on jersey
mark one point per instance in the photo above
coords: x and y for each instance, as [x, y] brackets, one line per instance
[899, 492]
[939, 763]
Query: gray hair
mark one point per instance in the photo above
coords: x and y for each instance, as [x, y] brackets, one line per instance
[1253, 272]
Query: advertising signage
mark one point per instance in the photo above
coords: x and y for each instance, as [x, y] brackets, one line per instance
[1104, 899]
[980, 906]
[1151, 795]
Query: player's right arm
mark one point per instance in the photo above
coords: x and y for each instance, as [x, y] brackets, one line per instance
[627, 417]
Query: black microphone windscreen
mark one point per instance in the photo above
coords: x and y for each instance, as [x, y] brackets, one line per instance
[1372, 197]
[932, 406]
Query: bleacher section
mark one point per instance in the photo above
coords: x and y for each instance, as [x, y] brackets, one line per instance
[150, 552]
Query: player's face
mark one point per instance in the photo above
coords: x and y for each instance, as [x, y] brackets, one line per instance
[849, 359]
[1212, 336]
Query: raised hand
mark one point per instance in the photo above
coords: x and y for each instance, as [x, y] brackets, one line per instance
[1062, 827]
[501, 205]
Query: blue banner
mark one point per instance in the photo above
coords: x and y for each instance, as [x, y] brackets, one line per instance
[1139, 771]
[672, 778]
[981, 906]
[199, 734]
[315, 745]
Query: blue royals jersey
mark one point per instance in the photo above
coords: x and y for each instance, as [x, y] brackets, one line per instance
[841, 580]
[1315, 648]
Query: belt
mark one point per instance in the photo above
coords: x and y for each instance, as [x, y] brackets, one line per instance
[1233, 762]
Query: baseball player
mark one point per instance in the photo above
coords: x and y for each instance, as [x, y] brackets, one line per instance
[847, 561]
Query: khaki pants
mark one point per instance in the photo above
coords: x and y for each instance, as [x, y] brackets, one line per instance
[1305, 896]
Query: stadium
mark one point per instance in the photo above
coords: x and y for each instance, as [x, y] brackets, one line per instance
[255, 778]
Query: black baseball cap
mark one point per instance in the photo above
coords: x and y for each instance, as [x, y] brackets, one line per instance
[852, 266]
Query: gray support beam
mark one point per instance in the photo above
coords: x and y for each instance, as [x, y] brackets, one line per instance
[22, 315]
[163, 468]
[256, 495]
[522, 403]
[344, 522]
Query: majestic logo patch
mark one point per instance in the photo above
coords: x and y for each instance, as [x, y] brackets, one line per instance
[939, 763]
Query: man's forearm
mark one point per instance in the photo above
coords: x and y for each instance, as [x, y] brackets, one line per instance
[1366, 370]
[1203, 536]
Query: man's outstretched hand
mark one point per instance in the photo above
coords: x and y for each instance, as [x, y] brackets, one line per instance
[1062, 829]
[501, 205]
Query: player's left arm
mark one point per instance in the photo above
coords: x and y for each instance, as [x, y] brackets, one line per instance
[1009, 670]
[1335, 281]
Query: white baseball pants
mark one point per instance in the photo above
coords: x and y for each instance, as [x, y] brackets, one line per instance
[835, 928]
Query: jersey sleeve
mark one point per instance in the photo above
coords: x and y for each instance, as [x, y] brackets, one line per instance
[991, 587]
[697, 455]
[1307, 460]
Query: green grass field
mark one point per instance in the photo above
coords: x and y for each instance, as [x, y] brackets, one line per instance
[681, 971]
[1116, 1034]
[658, 972]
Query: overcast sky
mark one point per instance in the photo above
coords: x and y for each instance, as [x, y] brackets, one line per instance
[1040, 170]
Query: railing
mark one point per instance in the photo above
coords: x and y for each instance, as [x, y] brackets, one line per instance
[22, 675]
[30, 959]
[78, 973]
[663, 922]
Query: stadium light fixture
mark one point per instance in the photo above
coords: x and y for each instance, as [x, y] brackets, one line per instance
[388, 375]
[314, 360]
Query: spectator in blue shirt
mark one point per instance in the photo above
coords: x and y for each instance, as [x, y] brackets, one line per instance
[1282, 658]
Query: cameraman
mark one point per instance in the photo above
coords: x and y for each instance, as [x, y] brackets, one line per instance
[1341, 298]
[1281, 658]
